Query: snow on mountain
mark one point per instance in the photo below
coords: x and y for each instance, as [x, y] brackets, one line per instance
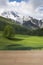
[15, 16]
[12, 15]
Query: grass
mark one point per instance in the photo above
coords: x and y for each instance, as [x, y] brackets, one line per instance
[21, 42]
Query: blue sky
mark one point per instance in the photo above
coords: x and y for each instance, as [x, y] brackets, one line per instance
[16, 0]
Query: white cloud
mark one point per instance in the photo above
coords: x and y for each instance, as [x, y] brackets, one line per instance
[26, 7]
[22, 8]
[3, 3]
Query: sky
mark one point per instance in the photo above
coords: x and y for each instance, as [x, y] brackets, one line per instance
[32, 8]
[16, 0]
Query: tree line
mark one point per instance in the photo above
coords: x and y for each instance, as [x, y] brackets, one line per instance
[10, 29]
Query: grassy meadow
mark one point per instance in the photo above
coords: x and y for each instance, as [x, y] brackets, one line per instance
[21, 42]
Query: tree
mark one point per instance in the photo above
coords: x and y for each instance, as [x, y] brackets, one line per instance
[9, 31]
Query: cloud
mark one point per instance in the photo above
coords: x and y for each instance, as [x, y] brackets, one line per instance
[21, 7]
[32, 8]
[3, 3]
[36, 3]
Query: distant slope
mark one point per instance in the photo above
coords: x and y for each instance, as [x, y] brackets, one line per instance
[27, 28]
[12, 15]
[33, 23]
[27, 21]
[4, 22]
[19, 29]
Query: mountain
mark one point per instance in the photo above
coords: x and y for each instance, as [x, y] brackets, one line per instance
[9, 14]
[26, 28]
[33, 23]
[18, 29]
[12, 15]
[26, 21]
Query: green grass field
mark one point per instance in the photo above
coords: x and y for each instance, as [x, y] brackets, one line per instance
[21, 42]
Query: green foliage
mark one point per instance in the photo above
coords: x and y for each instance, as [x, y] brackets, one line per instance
[20, 29]
[8, 31]
[21, 42]
[40, 32]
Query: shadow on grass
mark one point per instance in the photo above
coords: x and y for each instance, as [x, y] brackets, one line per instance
[15, 39]
[20, 47]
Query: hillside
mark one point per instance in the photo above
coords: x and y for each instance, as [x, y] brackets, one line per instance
[26, 21]
[27, 28]
[33, 23]
[4, 22]
[20, 29]
[24, 37]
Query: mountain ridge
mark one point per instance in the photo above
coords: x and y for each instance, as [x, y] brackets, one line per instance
[20, 20]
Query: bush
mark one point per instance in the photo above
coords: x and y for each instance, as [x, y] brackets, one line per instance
[9, 31]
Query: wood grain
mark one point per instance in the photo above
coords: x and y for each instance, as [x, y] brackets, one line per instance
[21, 57]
